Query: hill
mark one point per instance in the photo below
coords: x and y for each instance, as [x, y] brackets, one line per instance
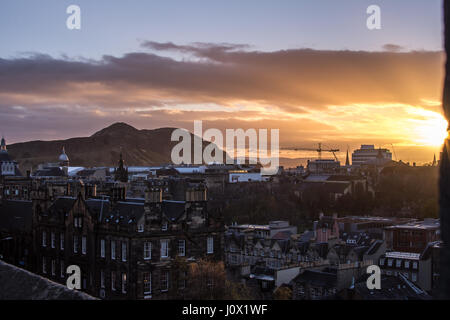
[139, 148]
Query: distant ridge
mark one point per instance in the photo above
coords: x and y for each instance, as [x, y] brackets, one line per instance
[139, 148]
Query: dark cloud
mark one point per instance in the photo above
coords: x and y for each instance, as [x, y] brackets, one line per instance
[290, 78]
[392, 47]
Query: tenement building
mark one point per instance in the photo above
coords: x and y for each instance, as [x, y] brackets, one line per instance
[126, 248]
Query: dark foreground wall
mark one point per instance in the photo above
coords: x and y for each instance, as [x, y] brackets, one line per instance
[19, 284]
[444, 183]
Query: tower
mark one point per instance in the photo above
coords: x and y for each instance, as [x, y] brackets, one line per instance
[347, 160]
[64, 161]
[3, 145]
[434, 161]
[121, 173]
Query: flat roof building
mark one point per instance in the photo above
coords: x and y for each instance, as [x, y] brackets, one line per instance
[368, 154]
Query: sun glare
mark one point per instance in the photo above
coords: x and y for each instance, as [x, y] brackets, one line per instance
[431, 131]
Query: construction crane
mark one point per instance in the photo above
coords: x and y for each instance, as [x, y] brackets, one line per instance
[318, 150]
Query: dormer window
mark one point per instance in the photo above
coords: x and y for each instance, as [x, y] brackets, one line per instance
[78, 222]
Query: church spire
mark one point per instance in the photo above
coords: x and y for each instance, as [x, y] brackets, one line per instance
[3, 145]
[347, 160]
[434, 160]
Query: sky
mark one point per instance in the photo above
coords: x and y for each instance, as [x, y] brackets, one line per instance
[309, 68]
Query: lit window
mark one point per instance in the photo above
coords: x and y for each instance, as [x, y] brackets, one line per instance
[147, 250]
[147, 280]
[181, 248]
[124, 282]
[210, 245]
[164, 248]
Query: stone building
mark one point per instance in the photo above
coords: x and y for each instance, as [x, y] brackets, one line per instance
[126, 248]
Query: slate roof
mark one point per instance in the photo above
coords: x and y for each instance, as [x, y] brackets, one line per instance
[282, 235]
[357, 238]
[49, 172]
[16, 215]
[317, 278]
[392, 288]
[126, 211]
[374, 247]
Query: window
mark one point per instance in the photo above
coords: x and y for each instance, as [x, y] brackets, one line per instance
[398, 263]
[210, 245]
[44, 265]
[102, 248]
[407, 264]
[390, 262]
[164, 248]
[102, 279]
[415, 265]
[61, 241]
[147, 280]
[62, 271]
[52, 240]
[83, 245]
[147, 250]
[44, 238]
[382, 262]
[113, 280]
[124, 251]
[78, 222]
[182, 280]
[124, 282]
[164, 280]
[140, 227]
[53, 267]
[113, 250]
[164, 226]
[75, 244]
[181, 248]
[414, 277]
